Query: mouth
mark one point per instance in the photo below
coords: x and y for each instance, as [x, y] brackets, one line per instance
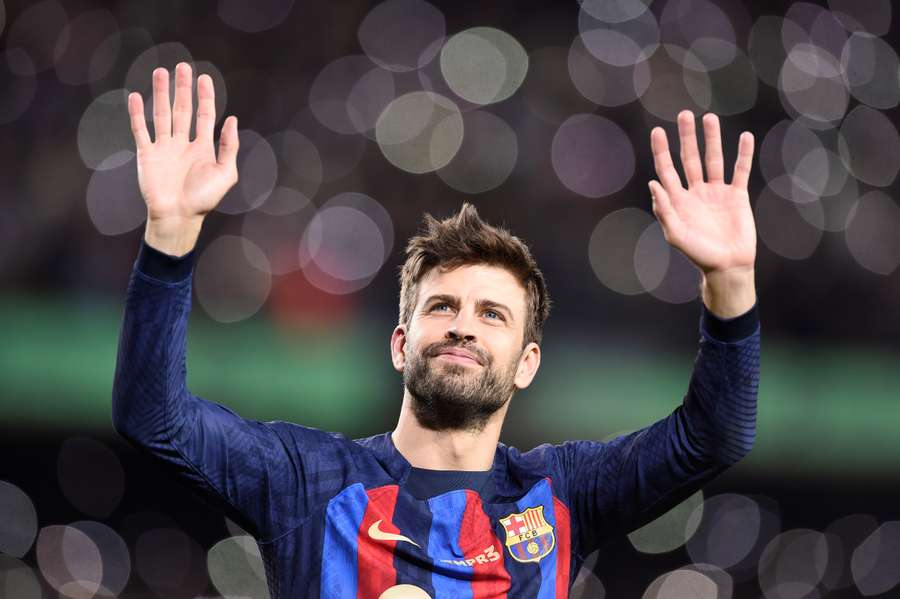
[459, 355]
[458, 359]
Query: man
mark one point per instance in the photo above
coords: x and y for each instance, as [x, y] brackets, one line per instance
[438, 507]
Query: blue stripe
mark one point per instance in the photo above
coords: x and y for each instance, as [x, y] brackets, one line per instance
[340, 560]
[541, 494]
[449, 580]
[412, 563]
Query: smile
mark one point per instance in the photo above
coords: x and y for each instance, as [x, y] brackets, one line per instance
[459, 359]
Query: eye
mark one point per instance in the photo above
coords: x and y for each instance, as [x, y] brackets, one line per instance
[442, 304]
[497, 314]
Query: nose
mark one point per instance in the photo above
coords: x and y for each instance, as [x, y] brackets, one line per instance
[460, 329]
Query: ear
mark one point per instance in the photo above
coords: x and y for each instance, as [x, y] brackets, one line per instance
[398, 347]
[528, 365]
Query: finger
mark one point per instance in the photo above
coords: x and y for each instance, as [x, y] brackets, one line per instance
[162, 115]
[662, 160]
[715, 164]
[181, 112]
[664, 212]
[744, 161]
[690, 155]
[228, 144]
[138, 122]
[206, 108]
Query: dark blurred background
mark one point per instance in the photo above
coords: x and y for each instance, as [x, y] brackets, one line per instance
[355, 119]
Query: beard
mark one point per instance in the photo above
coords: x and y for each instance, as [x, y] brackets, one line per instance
[452, 396]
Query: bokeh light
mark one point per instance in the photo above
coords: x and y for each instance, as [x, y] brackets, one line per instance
[90, 476]
[18, 520]
[229, 286]
[592, 155]
[483, 65]
[236, 568]
[486, 157]
[670, 530]
[400, 35]
[420, 132]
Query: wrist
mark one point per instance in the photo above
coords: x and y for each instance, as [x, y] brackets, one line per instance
[175, 237]
[729, 293]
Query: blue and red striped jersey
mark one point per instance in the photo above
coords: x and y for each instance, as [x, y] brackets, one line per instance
[335, 517]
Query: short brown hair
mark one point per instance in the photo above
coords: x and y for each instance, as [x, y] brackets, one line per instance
[465, 239]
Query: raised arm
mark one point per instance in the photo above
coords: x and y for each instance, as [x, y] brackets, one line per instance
[258, 473]
[617, 486]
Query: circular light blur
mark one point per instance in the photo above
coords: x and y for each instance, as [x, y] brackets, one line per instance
[371, 87]
[236, 568]
[90, 476]
[733, 86]
[592, 155]
[783, 229]
[871, 233]
[18, 520]
[253, 17]
[69, 561]
[230, 287]
[486, 157]
[602, 83]
[299, 167]
[611, 249]
[680, 584]
[684, 22]
[114, 201]
[586, 584]
[84, 34]
[400, 35]
[113, 554]
[19, 84]
[17, 579]
[664, 271]
[670, 530]
[483, 65]
[112, 57]
[276, 229]
[728, 527]
[872, 149]
[811, 87]
[675, 84]
[548, 90]
[622, 44]
[338, 154]
[420, 132]
[329, 250]
[870, 66]
[615, 11]
[850, 531]
[170, 562]
[874, 562]
[793, 563]
[344, 242]
[873, 15]
[104, 131]
[139, 77]
[40, 31]
[257, 174]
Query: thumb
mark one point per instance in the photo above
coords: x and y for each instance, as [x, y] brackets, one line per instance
[228, 144]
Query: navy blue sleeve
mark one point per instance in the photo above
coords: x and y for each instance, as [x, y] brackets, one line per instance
[263, 475]
[617, 486]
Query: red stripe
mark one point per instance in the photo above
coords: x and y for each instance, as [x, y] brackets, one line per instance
[376, 558]
[477, 540]
[563, 545]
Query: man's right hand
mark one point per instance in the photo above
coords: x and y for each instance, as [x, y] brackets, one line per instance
[181, 180]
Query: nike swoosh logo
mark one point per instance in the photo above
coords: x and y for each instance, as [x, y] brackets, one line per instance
[380, 535]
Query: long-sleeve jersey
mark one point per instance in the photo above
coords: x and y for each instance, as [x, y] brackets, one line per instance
[347, 518]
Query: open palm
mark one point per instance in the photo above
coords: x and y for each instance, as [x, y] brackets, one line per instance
[181, 179]
[711, 222]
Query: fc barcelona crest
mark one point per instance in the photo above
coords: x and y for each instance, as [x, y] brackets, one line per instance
[528, 535]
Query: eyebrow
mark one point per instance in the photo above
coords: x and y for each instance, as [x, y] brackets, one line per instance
[481, 303]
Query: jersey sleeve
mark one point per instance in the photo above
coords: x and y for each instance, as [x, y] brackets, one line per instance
[617, 486]
[263, 475]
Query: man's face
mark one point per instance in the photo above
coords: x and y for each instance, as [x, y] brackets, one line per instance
[476, 310]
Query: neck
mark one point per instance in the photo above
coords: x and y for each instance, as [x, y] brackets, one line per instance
[449, 449]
